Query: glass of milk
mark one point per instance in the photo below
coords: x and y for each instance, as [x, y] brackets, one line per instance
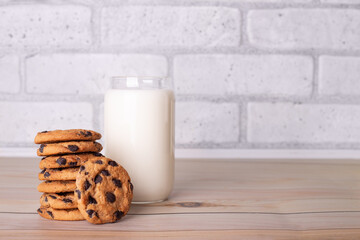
[139, 133]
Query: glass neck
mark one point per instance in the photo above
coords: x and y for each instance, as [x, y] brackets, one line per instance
[141, 83]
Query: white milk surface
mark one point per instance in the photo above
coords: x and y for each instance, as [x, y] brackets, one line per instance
[139, 134]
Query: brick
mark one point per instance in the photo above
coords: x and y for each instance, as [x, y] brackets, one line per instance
[45, 26]
[339, 75]
[22, 120]
[87, 73]
[272, 75]
[337, 29]
[272, 1]
[198, 122]
[341, 1]
[303, 123]
[170, 26]
[9, 74]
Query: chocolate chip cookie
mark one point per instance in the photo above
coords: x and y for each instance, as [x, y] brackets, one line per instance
[66, 136]
[104, 190]
[60, 214]
[65, 161]
[68, 147]
[58, 200]
[56, 186]
[58, 173]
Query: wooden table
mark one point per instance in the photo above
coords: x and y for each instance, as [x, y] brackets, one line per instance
[212, 199]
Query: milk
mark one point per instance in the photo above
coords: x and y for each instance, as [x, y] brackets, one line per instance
[139, 134]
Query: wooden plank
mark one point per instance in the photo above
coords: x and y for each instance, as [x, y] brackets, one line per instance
[335, 234]
[225, 197]
[221, 186]
[189, 221]
[193, 201]
[222, 174]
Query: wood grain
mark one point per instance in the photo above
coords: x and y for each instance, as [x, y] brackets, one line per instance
[329, 234]
[212, 199]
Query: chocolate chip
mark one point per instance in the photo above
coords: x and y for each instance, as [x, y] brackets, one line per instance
[117, 182]
[86, 173]
[99, 162]
[90, 212]
[52, 196]
[78, 193]
[67, 200]
[110, 197]
[43, 170]
[73, 148]
[39, 210]
[105, 172]
[41, 149]
[50, 213]
[112, 163]
[47, 174]
[46, 200]
[72, 163]
[118, 214]
[92, 200]
[131, 186]
[86, 134]
[61, 161]
[44, 132]
[98, 179]
[86, 185]
[82, 168]
[97, 154]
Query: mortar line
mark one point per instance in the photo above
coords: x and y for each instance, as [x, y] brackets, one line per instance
[243, 121]
[22, 74]
[315, 90]
[245, 48]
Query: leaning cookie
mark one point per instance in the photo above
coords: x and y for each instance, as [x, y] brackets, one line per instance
[65, 161]
[104, 190]
[58, 200]
[60, 214]
[66, 135]
[58, 173]
[68, 147]
[56, 186]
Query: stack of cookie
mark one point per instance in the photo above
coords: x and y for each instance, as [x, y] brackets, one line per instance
[64, 152]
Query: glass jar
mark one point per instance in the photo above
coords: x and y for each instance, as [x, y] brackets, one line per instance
[139, 133]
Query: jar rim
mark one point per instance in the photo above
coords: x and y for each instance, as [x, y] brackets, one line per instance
[141, 82]
[140, 77]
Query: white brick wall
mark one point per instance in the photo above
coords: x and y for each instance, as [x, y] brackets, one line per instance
[9, 74]
[303, 123]
[243, 75]
[20, 121]
[339, 75]
[305, 28]
[170, 26]
[247, 73]
[43, 26]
